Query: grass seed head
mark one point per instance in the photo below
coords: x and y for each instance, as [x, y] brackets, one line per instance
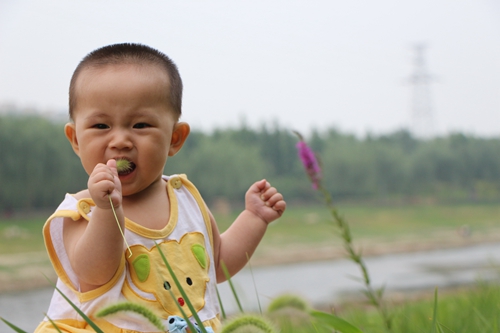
[123, 165]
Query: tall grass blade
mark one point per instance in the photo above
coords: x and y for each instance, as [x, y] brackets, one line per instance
[83, 315]
[184, 295]
[434, 314]
[335, 322]
[221, 305]
[482, 319]
[228, 278]
[442, 327]
[184, 315]
[53, 323]
[254, 285]
[14, 327]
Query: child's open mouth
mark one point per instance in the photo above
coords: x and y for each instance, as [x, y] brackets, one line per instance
[124, 167]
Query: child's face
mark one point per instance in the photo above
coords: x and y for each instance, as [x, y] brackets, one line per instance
[122, 111]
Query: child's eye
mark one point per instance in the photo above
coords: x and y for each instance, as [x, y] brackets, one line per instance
[100, 126]
[141, 125]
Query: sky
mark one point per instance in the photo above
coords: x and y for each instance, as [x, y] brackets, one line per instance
[298, 64]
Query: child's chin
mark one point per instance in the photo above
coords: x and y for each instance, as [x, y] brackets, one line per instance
[127, 190]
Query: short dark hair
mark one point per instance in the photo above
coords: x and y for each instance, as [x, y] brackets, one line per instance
[130, 53]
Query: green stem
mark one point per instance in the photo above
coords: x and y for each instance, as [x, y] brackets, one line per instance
[119, 226]
[345, 233]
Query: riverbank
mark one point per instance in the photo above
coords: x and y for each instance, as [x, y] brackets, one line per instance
[27, 271]
[303, 234]
[325, 284]
[373, 246]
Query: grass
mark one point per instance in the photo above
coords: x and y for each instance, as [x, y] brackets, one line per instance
[375, 221]
[464, 310]
[473, 309]
[21, 235]
[312, 225]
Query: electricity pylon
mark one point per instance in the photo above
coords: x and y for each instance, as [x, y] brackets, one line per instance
[422, 118]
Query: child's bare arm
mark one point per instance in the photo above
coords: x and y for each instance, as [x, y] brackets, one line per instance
[95, 248]
[263, 204]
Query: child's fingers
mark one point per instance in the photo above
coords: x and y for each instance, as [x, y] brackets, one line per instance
[258, 187]
[268, 193]
[280, 206]
[102, 179]
[104, 187]
[115, 199]
[104, 175]
[112, 165]
[276, 203]
[274, 200]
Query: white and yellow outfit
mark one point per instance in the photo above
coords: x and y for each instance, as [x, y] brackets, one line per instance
[187, 243]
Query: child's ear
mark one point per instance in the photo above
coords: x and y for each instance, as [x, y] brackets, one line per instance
[70, 131]
[179, 136]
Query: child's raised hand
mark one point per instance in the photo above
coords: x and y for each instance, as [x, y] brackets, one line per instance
[103, 181]
[265, 201]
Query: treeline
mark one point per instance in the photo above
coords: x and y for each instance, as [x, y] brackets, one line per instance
[38, 166]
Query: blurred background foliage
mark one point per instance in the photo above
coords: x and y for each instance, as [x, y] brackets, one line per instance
[38, 166]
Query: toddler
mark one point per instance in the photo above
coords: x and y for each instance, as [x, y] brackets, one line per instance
[125, 104]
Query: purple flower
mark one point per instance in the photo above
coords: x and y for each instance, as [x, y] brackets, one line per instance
[310, 162]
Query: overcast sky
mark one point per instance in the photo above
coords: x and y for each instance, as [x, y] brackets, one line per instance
[301, 63]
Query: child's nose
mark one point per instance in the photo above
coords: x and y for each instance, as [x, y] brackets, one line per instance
[121, 139]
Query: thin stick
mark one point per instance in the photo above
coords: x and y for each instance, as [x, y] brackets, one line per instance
[119, 226]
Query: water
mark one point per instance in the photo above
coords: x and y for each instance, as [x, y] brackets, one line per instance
[323, 282]
[328, 281]
[24, 309]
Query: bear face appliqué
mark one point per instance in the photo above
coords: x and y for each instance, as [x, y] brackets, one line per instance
[152, 282]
